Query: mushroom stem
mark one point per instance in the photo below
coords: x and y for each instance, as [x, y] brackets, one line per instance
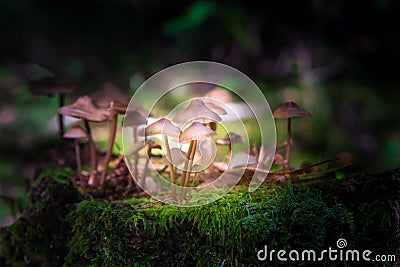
[93, 159]
[61, 98]
[190, 164]
[288, 137]
[78, 160]
[185, 167]
[113, 131]
[171, 167]
[136, 155]
[146, 165]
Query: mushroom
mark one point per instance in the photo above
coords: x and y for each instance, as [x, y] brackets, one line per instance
[287, 111]
[196, 111]
[134, 118]
[49, 86]
[196, 131]
[83, 108]
[116, 108]
[76, 133]
[165, 128]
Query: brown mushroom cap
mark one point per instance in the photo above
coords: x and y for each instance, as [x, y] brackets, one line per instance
[291, 110]
[107, 93]
[163, 126]
[196, 111]
[75, 132]
[195, 131]
[83, 108]
[217, 109]
[49, 86]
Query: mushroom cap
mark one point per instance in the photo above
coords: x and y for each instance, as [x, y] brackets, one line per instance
[196, 111]
[291, 110]
[107, 93]
[230, 138]
[83, 108]
[163, 126]
[217, 109]
[75, 132]
[196, 131]
[49, 86]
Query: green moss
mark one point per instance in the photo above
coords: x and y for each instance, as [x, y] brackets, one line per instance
[230, 231]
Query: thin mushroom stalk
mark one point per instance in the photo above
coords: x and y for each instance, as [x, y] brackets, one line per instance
[184, 182]
[111, 140]
[61, 98]
[190, 165]
[288, 137]
[78, 160]
[171, 167]
[136, 155]
[93, 157]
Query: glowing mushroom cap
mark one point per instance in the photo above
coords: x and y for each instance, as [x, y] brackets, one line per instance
[196, 111]
[83, 108]
[196, 131]
[217, 109]
[291, 110]
[162, 126]
[75, 133]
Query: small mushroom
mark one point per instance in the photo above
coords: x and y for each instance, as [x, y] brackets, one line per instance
[76, 133]
[116, 108]
[83, 108]
[288, 111]
[49, 86]
[165, 128]
[196, 111]
[196, 131]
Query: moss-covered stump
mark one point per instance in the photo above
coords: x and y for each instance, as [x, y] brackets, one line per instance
[61, 227]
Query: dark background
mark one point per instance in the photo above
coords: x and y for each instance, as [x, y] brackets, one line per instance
[338, 59]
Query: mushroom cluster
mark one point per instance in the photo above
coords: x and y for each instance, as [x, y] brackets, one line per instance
[192, 125]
